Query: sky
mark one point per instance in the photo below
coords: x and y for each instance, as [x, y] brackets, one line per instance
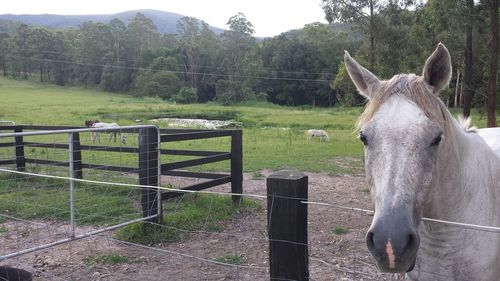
[269, 17]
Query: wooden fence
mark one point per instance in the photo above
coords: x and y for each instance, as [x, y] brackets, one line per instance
[149, 154]
[286, 190]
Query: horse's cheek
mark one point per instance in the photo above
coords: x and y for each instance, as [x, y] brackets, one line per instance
[368, 169]
[429, 169]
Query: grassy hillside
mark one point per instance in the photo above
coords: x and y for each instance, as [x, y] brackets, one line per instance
[273, 135]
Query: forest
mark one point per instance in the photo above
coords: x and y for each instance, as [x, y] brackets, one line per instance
[298, 67]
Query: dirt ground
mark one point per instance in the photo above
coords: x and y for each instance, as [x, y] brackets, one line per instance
[333, 256]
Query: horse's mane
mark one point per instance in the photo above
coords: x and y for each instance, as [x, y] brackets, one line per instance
[413, 88]
[466, 124]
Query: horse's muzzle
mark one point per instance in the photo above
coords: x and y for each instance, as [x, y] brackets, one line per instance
[393, 243]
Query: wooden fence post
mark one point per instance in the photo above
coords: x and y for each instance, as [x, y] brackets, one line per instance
[19, 146]
[149, 146]
[287, 226]
[237, 165]
[77, 156]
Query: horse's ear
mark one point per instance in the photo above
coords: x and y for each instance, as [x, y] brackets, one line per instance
[437, 69]
[364, 80]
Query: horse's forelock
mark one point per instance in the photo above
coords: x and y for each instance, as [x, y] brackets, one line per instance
[413, 88]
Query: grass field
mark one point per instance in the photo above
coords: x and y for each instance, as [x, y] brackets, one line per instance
[273, 135]
[45, 198]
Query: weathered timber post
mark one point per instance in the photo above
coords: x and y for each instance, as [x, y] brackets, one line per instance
[287, 225]
[77, 155]
[19, 147]
[237, 165]
[149, 147]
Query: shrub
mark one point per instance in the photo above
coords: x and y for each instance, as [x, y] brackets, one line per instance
[185, 95]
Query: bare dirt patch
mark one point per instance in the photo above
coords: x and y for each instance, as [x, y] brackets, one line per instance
[336, 237]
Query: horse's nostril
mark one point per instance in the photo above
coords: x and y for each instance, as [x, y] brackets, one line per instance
[369, 240]
[412, 241]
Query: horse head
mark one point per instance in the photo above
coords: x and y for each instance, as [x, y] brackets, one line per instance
[401, 129]
[90, 123]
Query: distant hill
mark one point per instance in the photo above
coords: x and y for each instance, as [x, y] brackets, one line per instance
[8, 26]
[166, 22]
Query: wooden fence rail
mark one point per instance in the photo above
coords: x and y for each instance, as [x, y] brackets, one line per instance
[149, 167]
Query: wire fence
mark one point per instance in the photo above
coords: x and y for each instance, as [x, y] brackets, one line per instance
[238, 252]
[59, 226]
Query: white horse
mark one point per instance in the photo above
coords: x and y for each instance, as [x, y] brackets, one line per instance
[321, 134]
[112, 134]
[421, 162]
[492, 138]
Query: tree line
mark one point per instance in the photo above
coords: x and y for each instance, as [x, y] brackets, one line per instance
[193, 65]
[399, 34]
[300, 67]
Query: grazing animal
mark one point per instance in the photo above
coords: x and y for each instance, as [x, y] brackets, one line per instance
[90, 123]
[112, 134]
[421, 162]
[321, 134]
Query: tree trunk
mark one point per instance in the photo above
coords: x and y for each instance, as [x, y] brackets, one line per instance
[372, 39]
[492, 79]
[456, 102]
[468, 90]
[25, 72]
[3, 66]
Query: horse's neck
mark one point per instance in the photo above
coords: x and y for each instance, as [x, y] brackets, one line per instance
[465, 189]
[466, 180]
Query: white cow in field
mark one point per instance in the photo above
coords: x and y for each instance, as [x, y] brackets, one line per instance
[112, 134]
[321, 134]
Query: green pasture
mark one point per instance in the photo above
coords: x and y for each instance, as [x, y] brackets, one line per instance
[45, 198]
[273, 136]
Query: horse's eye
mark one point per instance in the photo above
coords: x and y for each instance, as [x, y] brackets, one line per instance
[436, 141]
[363, 138]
